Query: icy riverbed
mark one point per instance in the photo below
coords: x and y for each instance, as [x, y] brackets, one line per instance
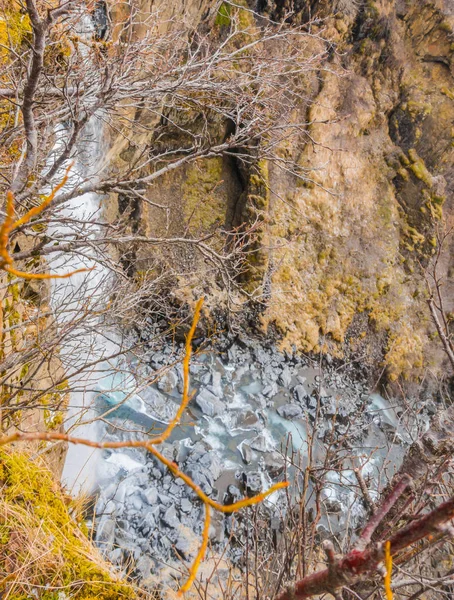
[254, 407]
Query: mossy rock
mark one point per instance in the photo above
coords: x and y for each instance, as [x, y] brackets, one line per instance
[205, 205]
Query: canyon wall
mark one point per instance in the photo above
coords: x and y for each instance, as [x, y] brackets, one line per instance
[343, 250]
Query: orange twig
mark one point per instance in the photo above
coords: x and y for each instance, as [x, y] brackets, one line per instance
[150, 444]
[389, 568]
[9, 225]
[186, 360]
[200, 554]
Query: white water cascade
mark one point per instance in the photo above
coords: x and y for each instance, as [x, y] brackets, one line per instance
[82, 293]
[79, 300]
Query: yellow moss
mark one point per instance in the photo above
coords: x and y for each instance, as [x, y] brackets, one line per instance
[448, 92]
[36, 518]
[404, 174]
[223, 18]
[418, 168]
[417, 108]
[15, 28]
[404, 353]
[204, 205]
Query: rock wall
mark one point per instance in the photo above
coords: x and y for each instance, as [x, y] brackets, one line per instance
[380, 188]
[342, 253]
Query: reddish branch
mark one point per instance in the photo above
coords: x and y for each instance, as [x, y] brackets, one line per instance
[358, 564]
[425, 456]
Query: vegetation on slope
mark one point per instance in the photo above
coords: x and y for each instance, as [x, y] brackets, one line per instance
[44, 549]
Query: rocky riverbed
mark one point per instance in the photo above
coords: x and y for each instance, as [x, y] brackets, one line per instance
[253, 415]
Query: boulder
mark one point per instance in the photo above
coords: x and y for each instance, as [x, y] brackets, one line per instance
[300, 392]
[290, 411]
[209, 404]
[168, 382]
[170, 517]
[150, 496]
[285, 378]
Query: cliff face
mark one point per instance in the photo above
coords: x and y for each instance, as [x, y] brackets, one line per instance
[383, 172]
[342, 254]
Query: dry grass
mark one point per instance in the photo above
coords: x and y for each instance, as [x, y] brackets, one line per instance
[44, 549]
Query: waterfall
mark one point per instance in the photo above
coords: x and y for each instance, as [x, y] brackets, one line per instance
[86, 293]
[82, 292]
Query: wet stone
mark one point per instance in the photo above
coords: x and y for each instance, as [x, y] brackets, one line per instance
[300, 392]
[246, 453]
[290, 411]
[168, 382]
[253, 483]
[209, 404]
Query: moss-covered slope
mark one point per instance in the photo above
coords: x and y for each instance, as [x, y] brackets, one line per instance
[45, 552]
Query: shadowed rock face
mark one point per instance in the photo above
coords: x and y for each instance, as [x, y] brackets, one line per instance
[341, 253]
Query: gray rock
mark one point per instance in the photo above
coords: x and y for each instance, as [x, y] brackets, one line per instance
[209, 404]
[233, 353]
[311, 402]
[253, 483]
[164, 499]
[205, 378]
[211, 463]
[285, 378]
[168, 382]
[261, 443]
[196, 369]
[247, 420]
[158, 359]
[234, 492]
[300, 392]
[329, 408]
[200, 478]
[272, 375]
[136, 502]
[290, 411]
[262, 356]
[158, 405]
[216, 385]
[216, 531]
[145, 566]
[174, 490]
[116, 555]
[184, 545]
[170, 517]
[274, 463]
[186, 506]
[150, 496]
[246, 453]
[270, 390]
[105, 534]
